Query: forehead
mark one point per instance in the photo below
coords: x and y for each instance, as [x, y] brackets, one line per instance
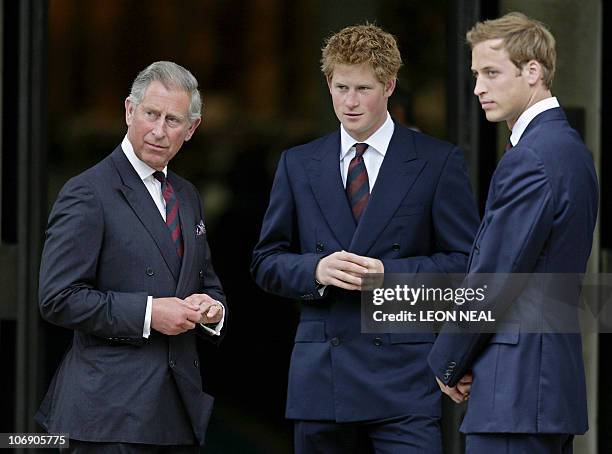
[167, 99]
[354, 73]
[489, 53]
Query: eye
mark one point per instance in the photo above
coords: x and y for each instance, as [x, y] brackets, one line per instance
[491, 73]
[172, 121]
[149, 114]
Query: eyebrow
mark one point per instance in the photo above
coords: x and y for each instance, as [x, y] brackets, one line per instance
[168, 114]
[486, 68]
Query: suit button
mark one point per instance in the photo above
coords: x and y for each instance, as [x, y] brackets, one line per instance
[395, 247]
[320, 247]
[172, 363]
[196, 363]
[150, 271]
[201, 274]
[335, 341]
[378, 341]
[452, 364]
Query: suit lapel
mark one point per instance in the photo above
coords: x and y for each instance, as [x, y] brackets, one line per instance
[188, 231]
[142, 204]
[398, 172]
[324, 175]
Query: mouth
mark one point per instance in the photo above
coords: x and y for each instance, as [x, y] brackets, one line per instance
[352, 115]
[155, 147]
[486, 104]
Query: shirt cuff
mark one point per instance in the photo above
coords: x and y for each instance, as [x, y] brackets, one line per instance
[146, 331]
[216, 331]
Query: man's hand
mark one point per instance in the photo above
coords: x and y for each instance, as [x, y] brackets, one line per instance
[460, 392]
[346, 270]
[173, 316]
[211, 310]
[465, 385]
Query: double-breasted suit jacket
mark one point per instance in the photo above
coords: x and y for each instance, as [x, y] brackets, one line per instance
[420, 217]
[107, 249]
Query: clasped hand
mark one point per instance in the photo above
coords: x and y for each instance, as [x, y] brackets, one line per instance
[461, 391]
[174, 316]
[346, 270]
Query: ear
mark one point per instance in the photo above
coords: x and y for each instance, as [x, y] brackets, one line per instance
[534, 72]
[328, 79]
[129, 111]
[192, 129]
[389, 87]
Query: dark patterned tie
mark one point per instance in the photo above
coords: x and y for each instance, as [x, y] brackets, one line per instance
[357, 184]
[172, 211]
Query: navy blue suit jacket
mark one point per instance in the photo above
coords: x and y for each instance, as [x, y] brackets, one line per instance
[539, 218]
[421, 217]
[107, 248]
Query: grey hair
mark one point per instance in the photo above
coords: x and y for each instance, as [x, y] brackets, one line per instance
[170, 75]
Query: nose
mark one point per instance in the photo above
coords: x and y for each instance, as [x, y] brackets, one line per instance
[479, 87]
[352, 99]
[159, 128]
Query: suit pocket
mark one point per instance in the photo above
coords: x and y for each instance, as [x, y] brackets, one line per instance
[310, 331]
[508, 333]
[411, 338]
[409, 209]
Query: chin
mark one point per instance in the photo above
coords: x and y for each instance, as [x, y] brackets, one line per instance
[493, 117]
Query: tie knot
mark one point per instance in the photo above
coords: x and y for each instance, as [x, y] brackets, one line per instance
[159, 176]
[360, 149]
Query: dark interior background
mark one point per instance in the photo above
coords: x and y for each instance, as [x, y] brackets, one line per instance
[257, 63]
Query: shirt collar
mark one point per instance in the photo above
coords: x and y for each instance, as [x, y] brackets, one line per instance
[379, 141]
[142, 169]
[525, 118]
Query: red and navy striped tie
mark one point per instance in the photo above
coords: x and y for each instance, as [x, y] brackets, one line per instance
[172, 211]
[357, 184]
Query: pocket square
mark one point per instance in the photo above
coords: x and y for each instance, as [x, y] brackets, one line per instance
[200, 228]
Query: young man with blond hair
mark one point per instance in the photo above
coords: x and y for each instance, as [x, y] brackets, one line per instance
[528, 392]
[371, 197]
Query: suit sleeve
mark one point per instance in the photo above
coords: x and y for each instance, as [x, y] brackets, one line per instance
[517, 225]
[68, 296]
[455, 220]
[276, 266]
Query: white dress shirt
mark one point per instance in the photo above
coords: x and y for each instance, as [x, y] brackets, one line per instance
[145, 172]
[373, 156]
[525, 118]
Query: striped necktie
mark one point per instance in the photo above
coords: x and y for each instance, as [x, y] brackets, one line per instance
[172, 211]
[357, 184]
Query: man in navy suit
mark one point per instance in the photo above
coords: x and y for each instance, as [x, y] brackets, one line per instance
[528, 388]
[371, 197]
[126, 265]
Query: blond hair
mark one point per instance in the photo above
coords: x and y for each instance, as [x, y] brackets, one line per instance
[360, 44]
[523, 38]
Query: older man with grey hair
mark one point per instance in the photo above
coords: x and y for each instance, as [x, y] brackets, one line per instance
[126, 266]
